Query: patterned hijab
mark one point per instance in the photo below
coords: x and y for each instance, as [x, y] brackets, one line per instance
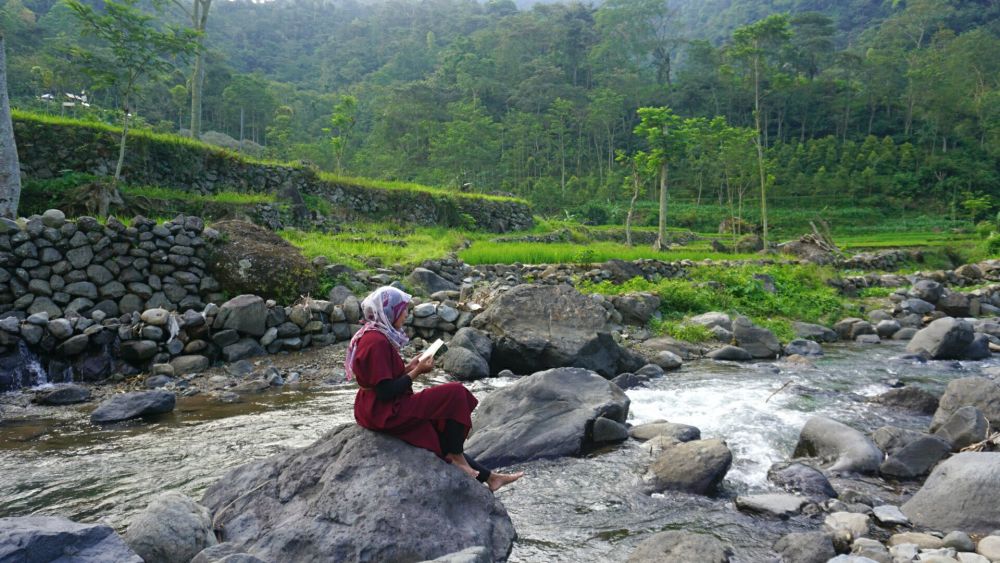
[380, 311]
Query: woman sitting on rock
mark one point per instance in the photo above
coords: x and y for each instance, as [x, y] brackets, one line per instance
[438, 418]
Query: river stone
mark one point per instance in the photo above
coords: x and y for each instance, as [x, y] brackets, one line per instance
[636, 308]
[80, 257]
[959, 541]
[607, 431]
[626, 381]
[244, 313]
[375, 491]
[678, 546]
[919, 539]
[63, 394]
[805, 547]
[676, 432]
[713, 319]
[424, 310]
[814, 332]
[246, 348]
[927, 290]
[429, 281]
[905, 333]
[979, 349]
[803, 347]
[943, 339]
[731, 354]
[44, 304]
[854, 524]
[891, 439]
[53, 218]
[888, 514]
[73, 345]
[910, 398]
[667, 360]
[60, 328]
[916, 458]
[464, 364]
[759, 342]
[887, 328]
[549, 414]
[966, 426]
[33, 539]
[133, 405]
[848, 449]
[971, 558]
[916, 306]
[962, 493]
[156, 317]
[138, 351]
[801, 478]
[474, 340]
[780, 505]
[692, 467]
[980, 392]
[870, 550]
[172, 528]
[989, 547]
[538, 327]
[224, 553]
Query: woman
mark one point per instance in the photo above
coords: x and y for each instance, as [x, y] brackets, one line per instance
[438, 418]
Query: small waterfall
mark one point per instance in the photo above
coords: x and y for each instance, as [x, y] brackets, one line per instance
[29, 371]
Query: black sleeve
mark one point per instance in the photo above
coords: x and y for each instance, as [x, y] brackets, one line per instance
[389, 389]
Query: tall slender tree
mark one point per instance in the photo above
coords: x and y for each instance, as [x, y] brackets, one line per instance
[198, 14]
[10, 170]
[665, 135]
[135, 50]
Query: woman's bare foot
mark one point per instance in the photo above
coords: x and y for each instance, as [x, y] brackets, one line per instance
[497, 480]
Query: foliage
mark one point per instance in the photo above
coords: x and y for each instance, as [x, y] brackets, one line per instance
[680, 330]
[374, 245]
[549, 253]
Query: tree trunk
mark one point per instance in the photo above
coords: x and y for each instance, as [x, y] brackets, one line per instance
[760, 152]
[121, 146]
[631, 205]
[661, 232]
[10, 169]
[199, 18]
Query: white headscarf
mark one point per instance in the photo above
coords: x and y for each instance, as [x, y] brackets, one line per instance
[380, 310]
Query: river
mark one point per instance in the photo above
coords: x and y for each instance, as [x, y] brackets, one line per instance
[575, 509]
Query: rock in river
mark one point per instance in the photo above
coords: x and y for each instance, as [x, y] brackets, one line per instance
[53, 538]
[962, 493]
[849, 449]
[548, 414]
[133, 405]
[691, 467]
[943, 339]
[539, 327]
[357, 495]
[677, 546]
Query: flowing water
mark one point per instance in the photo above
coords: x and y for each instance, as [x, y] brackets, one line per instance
[576, 509]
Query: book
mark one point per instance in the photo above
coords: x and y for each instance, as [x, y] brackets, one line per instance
[433, 349]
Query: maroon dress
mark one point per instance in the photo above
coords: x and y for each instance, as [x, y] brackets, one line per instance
[415, 418]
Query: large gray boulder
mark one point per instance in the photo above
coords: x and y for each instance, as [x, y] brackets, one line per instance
[805, 547]
[916, 458]
[965, 427]
[52, 538]
[979, 392]
[429, 281]
[546, 415]
[172, 528]
[636, 308]
[677, 546]
[815, 332]
[133, 405]
[910, 398]
[538, 327]
[64, 394]
[474, 340]
[832, 441]
[243, 313]
[759, 342]
[962, 493]
[357, 495]
[943, 339]
[690, 467]
[464, 364]
[803, 479]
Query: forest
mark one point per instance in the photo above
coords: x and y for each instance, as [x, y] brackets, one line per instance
[889, 105]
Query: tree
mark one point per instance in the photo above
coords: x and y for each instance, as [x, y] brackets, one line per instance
[665, 134]
[135, 50]
[10, 169]
[341, 125]
[754, 43]
[198, 14]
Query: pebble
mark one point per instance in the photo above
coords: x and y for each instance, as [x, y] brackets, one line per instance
[960, 541]
[989, 547]
[889, 514]
[855, 524]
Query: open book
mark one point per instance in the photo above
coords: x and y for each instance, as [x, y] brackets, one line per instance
[433, 349]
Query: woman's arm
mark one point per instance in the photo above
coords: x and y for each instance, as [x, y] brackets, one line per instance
[389, 389]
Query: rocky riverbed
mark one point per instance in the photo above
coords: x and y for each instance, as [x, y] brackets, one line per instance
[594, 506]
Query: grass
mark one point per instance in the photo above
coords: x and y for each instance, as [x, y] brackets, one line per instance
[801, 294]
[227, 198]
[378, 244]
[552, 253]
[411, 187]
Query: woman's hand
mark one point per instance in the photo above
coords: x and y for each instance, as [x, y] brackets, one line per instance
[416, 367]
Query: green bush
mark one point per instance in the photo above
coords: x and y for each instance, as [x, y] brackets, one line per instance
[985, 228]
[993, 244]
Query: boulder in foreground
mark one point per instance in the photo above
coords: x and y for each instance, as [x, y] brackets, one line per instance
[691, 467]
[53, 538]
[357, 495]
[962, 493]
[548, 414]
[172, 528]
[676, 546]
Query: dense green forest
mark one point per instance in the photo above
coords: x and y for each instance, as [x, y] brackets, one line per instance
[862, 102]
